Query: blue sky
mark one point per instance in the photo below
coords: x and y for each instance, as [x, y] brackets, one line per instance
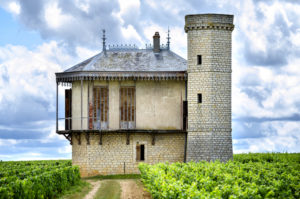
[39, 38]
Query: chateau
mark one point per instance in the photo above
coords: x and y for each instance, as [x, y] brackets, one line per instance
[128, 105]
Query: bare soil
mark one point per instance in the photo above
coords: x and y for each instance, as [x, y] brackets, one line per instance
[131, 190]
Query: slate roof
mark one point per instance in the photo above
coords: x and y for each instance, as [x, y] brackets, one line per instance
[135, 60]
[128, 64]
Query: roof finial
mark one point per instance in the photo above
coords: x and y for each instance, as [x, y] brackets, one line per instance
[103, 41]
[168, 38]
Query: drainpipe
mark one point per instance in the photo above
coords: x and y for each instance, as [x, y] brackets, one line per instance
[185, 136]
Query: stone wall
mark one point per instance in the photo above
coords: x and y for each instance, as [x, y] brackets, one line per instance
[209, 122]
[109, 158]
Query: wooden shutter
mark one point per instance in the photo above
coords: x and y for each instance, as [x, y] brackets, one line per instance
[100, 107]
[185, 114]
[138, 152]
[68, 109]
[127, 107]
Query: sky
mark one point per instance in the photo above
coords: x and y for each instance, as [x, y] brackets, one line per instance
[41, 37]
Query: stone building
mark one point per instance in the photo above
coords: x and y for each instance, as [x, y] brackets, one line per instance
[128, 105]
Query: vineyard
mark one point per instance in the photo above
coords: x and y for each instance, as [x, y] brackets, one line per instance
[248, 176]
[36, 179]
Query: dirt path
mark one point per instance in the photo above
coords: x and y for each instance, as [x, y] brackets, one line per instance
[130, 190]
[96, 186]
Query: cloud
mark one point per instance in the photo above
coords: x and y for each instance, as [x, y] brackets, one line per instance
[267, 32]
[28, 82]
[266, 75]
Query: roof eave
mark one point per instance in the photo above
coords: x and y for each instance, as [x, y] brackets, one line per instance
[120, 75]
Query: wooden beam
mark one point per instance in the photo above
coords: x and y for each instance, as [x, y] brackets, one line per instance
[153, 139]
[68, 137]
[77, 136]
[158, 131]
[127, 138]
[87, 137]
[100, 141]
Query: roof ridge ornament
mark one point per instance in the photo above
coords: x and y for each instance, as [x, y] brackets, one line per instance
[122, 47]
[103, 41]
[168, 39]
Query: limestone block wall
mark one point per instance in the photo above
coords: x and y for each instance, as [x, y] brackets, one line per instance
[209, 122]
[114, 156]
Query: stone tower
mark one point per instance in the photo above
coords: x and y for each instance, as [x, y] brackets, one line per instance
[209, 86]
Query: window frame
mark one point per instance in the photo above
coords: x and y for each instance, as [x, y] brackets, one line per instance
[106, 105]
[139, 155]
[122, 110]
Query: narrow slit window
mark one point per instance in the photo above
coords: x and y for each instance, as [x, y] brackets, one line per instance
[199, 59]
[199, 98]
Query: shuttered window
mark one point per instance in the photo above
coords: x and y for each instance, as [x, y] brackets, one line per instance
[127, 107]
[100, 108]
[68, 109]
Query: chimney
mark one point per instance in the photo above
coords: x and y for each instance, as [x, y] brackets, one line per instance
[156, 43]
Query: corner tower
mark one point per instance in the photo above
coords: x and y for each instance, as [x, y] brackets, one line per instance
[209, 86]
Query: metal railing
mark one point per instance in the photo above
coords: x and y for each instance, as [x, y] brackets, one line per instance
[89, 123]
[81, 123]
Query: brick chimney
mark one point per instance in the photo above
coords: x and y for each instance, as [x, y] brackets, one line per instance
[156, 43]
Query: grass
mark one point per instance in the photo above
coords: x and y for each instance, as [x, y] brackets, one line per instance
[109, 189]
[78, 191]
[121, 176]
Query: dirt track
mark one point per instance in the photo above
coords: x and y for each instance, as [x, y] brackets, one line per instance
[96, 186]
[130, 189]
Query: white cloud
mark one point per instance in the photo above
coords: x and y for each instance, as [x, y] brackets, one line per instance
[85, 53]
[83, 5]
[31, 72]
[54, 16]
[130, 33]
[14, 7]
[129, 6]
[284, 137]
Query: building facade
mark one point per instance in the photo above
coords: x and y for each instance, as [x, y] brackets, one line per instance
[128, 105]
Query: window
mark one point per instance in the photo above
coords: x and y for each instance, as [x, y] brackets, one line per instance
[199, 98]
[199, 59]
[127, 107]
[140, 152]
[100, 114]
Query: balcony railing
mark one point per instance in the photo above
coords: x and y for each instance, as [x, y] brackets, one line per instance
[89, 123]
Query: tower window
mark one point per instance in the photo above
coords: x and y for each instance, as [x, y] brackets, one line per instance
[199, 98]
[199, 59]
